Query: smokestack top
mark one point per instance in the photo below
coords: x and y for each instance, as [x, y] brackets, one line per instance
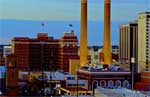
[84, 1]
[107, 1]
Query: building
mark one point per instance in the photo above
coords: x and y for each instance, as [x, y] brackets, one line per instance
[2, 60]
[44, 52]
[144, 41]
[128, 43]
[68, 50]
[114, 54]
[93, 54]
[7, 50]
[74, 64]
[2, 79]
[106, 77]
[68, 83]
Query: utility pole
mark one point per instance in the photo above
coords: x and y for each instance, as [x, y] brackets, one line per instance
[132, 72]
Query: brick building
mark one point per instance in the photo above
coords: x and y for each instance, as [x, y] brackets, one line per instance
[44, 52]
[68, 50]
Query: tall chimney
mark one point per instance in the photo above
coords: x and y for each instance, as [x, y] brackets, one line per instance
[107, 45]
[83, 34]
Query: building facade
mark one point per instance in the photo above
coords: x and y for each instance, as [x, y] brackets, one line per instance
[128, 43]
[68, 50]
[144, 41]
[7, 50]
[44, 52]
[105, 77]
[2, 60]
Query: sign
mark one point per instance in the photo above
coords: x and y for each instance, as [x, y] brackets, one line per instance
[2, 72]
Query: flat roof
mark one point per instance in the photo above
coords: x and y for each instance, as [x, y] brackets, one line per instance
[145, 13]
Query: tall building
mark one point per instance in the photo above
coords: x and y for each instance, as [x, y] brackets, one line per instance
[144, 41]
[45, 52]
[68, 50]
[128, 43]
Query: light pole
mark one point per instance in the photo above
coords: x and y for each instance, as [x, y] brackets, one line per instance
[77, 79]
[132, 72]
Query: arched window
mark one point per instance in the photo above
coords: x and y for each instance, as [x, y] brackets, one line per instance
[110, 84]
[126, 84]
[95, 84]
[118, 83]
[103, 83]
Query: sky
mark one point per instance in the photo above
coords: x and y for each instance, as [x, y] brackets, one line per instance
[68, 9]
[17, 15]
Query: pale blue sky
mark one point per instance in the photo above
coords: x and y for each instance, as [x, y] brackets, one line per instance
[69, 10]
[23, 17]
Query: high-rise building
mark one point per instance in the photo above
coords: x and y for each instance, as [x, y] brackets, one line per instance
[45, 52]
[128, 43]
[144, 41]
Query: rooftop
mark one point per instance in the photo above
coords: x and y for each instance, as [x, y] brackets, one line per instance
[103, 68]
[144, 13]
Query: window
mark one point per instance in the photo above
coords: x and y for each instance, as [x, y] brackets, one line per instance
[126, 84]
[148, 16]
[118, 83]
[95, 56]
[147, 46]
[110, 84]
[147, 37]
[147, 29]
[147, 57]
[70, 78]
[103, 83]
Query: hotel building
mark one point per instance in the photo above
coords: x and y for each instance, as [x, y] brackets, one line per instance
[128, 43]
[144, 41]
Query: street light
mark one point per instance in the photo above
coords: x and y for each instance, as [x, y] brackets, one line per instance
[132, 72]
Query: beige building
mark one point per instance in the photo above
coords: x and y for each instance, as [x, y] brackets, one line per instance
[144, 40]
[128, 44]
[7, 50]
